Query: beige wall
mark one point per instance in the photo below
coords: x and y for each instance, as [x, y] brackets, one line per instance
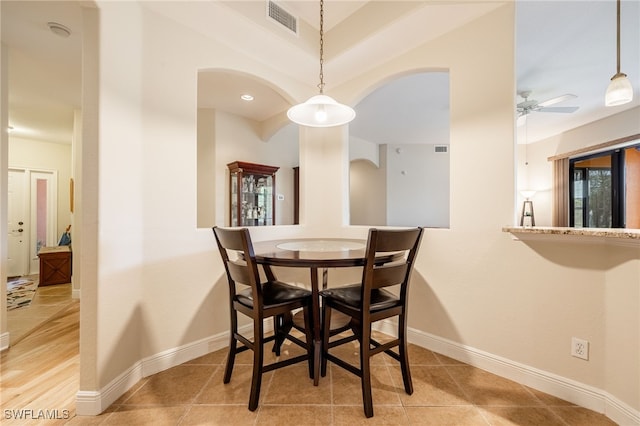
[368, 192]
[606, 306]
[159, 284]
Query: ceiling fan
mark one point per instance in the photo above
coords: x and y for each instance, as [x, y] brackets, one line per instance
[528, 106]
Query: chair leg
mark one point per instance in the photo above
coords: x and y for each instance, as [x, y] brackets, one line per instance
[233, 344]
[326, 334]
[308, 323]
[258, 359]
[282, 325]
[404, 354]
[231, 357]
[365, 370]
[277, 342]
[355, 328]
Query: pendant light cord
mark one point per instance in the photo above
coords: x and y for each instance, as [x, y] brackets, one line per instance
[321, 85]
[618, 38]
[526, 146]
[619, 91]
[321, 110]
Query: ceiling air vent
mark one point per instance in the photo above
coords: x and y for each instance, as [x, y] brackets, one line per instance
[276, 13]
[441, 148]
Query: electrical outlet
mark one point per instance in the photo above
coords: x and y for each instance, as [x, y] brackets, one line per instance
[580, 348]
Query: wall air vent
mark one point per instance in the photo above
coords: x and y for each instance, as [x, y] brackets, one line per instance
[276, 13]
[442, 148]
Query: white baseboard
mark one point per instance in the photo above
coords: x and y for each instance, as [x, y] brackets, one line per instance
[176, 356]
[92, 403]
[75, 293]
[4, 341]
[552, 384]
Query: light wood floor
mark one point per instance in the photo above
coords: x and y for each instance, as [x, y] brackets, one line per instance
[39, 373]
[48, 301]
[39, 379]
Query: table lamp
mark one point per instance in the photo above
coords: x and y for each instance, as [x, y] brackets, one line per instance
[527, 219]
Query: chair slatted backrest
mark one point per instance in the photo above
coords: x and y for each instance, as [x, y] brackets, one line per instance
[404, 244]
[241, 268]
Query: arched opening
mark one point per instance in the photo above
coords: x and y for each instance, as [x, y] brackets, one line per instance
[242, 118]
[406, 143]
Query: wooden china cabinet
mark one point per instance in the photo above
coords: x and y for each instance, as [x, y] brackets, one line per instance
[252, 194]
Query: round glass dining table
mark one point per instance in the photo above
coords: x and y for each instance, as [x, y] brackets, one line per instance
[314, 253]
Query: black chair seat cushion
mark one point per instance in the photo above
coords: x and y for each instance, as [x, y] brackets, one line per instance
[274, 293]
[351, 296]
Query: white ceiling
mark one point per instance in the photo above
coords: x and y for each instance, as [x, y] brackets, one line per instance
[44, 69]
[562, 47]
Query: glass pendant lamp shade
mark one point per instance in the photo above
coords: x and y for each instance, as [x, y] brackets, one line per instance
[321, 111]
[619, 91]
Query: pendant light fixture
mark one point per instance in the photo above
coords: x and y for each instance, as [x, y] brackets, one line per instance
[619, 91]
[321, 110]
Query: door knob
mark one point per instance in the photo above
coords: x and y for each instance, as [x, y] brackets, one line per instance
[20, 230]
[21, 223]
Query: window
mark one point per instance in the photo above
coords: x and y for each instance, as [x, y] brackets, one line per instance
[604, 189]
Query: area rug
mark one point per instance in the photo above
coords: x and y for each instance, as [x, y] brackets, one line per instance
[20, 292]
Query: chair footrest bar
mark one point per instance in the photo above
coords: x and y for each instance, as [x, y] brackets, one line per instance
[297, 341]
[380, 347]
[344, 365]
[242, 349]
[284, 363]
[246, 342]
[342, 341]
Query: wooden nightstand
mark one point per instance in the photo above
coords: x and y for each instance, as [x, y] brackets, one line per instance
[55, 265]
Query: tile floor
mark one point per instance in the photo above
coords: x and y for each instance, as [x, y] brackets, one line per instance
[446, 392]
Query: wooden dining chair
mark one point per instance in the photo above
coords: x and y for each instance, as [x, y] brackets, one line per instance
[371, 301]
[259, 301]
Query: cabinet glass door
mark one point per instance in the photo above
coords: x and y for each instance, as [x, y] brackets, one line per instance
[234, 199]
[252, 194]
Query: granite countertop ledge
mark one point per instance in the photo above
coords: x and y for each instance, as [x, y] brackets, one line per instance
[620, 233]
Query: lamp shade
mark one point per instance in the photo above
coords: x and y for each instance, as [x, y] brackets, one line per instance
[321, 111]
[527, 193]
[619, 91]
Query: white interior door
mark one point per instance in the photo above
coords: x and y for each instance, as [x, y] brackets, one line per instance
[18, 238]
[32, 218]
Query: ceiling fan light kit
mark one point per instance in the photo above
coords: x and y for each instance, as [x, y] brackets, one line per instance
[321, 110]
[619, 91]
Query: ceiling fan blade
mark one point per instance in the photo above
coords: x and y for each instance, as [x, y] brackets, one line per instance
[557, 100]
[559, 109]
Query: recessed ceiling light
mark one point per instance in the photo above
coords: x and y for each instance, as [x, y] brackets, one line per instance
[59, 29]
[246, 97]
